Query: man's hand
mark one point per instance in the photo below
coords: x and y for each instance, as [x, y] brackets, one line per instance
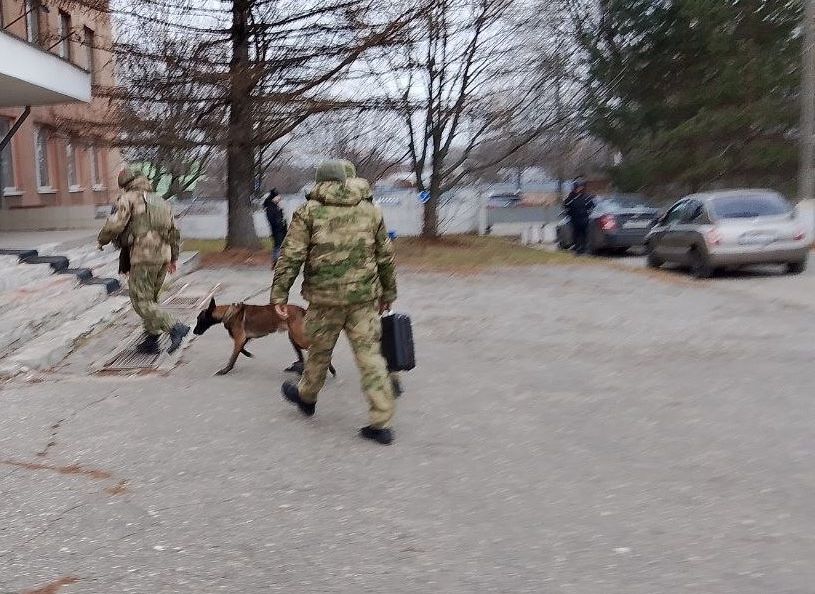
[384, 306]
[172, 267]
[282, 311]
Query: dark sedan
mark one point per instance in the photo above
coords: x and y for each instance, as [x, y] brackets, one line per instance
[616, 224]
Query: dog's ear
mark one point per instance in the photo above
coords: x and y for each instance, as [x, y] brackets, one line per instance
[211, 306]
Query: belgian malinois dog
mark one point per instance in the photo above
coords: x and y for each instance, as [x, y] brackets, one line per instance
[245, 322]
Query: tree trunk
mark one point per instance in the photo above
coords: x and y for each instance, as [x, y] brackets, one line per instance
[430, 227]
[239, 154]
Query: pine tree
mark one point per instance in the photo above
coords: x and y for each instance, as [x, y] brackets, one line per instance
[696, 93]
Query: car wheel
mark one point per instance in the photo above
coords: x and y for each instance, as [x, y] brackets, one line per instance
[796, 267]
[699, 266]
[651, 259]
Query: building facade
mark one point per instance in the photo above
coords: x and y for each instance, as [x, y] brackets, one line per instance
[55, 159]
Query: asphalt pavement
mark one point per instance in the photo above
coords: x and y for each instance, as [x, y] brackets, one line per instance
[569, 429]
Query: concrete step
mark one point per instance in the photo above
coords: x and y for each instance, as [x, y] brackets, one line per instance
[23, 324]
[41, 290]
[20, 275]
[48, 349]
[39, 331]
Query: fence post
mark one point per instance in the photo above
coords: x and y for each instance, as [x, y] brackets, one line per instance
[482, 213]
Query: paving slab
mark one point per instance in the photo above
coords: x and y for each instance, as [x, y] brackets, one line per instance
[568, 430]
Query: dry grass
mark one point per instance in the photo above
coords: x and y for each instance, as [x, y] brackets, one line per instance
[213, 254]
[464, 254]
[470, 254]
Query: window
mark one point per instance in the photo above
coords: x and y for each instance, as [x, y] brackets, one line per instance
[90, 62]
[94, 154]
[32, 21]
[64, 35]
[694, 212]
[7, 165]
[676, 214]
[43, 174]
[750, 206]
[70, 159]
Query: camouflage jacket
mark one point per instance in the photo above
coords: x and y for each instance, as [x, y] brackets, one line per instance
[340, 239]
[361, 186]
[150, 239]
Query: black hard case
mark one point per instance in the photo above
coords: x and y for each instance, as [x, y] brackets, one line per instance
[397, 342]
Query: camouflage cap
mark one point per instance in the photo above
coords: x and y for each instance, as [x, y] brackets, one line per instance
[350, 169]
[126, 176]
[330, 170]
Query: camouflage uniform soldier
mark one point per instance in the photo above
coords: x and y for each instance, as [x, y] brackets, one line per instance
[362, 187]
[143, 224]
[349, 278]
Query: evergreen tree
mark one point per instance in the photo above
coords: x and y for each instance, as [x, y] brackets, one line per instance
[697, 93]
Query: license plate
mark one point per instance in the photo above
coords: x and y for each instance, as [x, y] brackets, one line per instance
[636, 224]
[757, 239]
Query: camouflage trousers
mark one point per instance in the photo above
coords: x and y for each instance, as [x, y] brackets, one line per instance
[364, 331]
[144, 284]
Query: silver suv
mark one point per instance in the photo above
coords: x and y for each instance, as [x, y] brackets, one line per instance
[729, 229]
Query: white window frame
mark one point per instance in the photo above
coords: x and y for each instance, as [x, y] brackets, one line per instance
[41, 159]
[32, 21]
[90, 57]
[9, 182]
[64, 35]
[96, 178]
[71, 169]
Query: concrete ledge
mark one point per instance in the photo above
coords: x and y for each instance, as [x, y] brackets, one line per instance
[49, 218]
[50, 348]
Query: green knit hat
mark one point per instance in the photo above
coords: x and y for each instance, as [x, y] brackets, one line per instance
[330, 170]
[350, 169]
[126, 176]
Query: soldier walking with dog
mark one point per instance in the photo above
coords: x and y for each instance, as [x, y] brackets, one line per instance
[362, 187]
[339, 237]
[143, 227]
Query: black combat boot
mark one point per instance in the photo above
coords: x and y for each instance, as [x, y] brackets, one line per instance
[292, 394]
[383, 436]
[149, 345]
[177, 334]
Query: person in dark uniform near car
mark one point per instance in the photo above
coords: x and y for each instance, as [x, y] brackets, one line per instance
[578, 205]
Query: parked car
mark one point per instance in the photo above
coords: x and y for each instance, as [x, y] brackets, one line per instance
[729, 229]
[504, 201]
[617, 223]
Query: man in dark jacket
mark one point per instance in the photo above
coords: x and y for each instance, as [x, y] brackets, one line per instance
[277, 222]
[579, 204]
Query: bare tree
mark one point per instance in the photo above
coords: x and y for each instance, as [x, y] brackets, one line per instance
[368, 137]
[236, 78]
[472, 76]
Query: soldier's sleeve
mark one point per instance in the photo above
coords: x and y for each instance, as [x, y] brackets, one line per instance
[292, 255]
[116, 222]
[385, 262]
[175, 241]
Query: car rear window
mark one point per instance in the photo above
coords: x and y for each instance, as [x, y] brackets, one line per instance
[748, 207]
[628, 202]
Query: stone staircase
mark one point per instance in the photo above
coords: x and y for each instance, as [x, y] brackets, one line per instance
[52, 297]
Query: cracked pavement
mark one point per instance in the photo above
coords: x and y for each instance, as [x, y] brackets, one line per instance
[569, 429]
